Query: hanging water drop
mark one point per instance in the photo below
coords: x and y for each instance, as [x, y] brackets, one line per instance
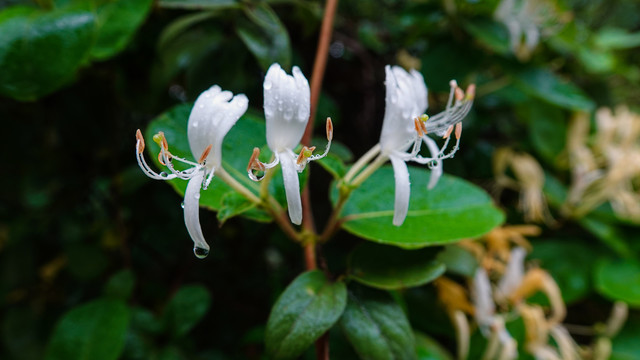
[200, 253]
[182, 204]
[163, 174]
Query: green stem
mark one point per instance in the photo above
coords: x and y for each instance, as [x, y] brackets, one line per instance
[364, 175]
[361, 163]
[235, 184]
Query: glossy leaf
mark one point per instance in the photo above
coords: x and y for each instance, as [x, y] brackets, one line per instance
[31, 44]
[234, 204]
[186, 308]
[452, 211]
[619, 280]
[458, 261]
[376, 326]
[429, 349]
[334, 166]
[547, 129]
[93, 331]
[547, 86]
[116, 23]
[265, 36]
[199, 4]
[390, 268]
[309, 306]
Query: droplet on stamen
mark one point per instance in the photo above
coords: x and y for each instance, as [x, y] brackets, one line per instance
[182, 204]
[200, 253]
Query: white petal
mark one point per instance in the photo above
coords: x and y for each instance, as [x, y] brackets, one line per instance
[291, 186]
[213, 114]
[436, 171]
[403, 190]
[514, 273]
[286, 107]
[192, 211]
[405, 99]
[482, 298]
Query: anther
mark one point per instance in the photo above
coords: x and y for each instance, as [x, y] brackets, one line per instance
[458, 130]
[205, 153]
[254, 163]
[459, 94]
[329, 129]
[423, 126]
[304, 154]
[471, 91]
[448, 133]
[418, 127]
[140, 140]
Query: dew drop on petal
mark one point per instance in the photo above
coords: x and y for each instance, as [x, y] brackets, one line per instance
[182, 204]
[267, 85]
[394, 99]
[196, 196]
[195, 124]
[288, 114]
[200, 253]
[163, 174]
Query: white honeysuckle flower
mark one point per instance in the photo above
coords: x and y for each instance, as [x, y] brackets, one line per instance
[213, 114]
[482, 298]
[286, 109]
[405, 125]
[513, 274]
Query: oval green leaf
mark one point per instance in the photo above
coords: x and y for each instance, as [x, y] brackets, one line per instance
[390, 268]
[309, 307]
[429, 349]
[265, 36]
[452, 211]
[619, 280]
[546, 86]
[186, 308]
[93, 331]
[31, 44]
[376, 326]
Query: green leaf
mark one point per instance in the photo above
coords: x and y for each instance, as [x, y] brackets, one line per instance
[429, 349]
[490, 33]
[546, 86]
[452, 211]
[334, 166]
[180, 25]
[625, 345]
[390, 268]
[614, 38]
[376, 326]
[41, 51]
[309, 307]
[199, 4]
[120, 285]
[458, 261]
[265, 36]
[116, 23]
[619, 280]
[93, 331]
[608, 234]
[234, 204]
[186, 308]
[548, 129]
[565, 259]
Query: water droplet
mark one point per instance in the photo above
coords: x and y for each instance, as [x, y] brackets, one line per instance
[288, 114]
[163, 174]
[196, 196]
[394, 99]
[267, 85]
[195, 124]
[200, 253]
[201, 106]
[182, 204]
[268, 111]
[406, 113]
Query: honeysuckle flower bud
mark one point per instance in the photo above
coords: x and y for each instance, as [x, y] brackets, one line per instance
[286, 109]
[213, 114]
[405, 125]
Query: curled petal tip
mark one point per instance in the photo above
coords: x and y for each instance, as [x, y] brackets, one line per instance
[329, 129]
[139, 141]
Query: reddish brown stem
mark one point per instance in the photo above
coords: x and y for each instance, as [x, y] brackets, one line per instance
[320, 64]
[310, 256]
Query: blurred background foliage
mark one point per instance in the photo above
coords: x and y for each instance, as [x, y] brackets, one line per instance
[95, 259]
